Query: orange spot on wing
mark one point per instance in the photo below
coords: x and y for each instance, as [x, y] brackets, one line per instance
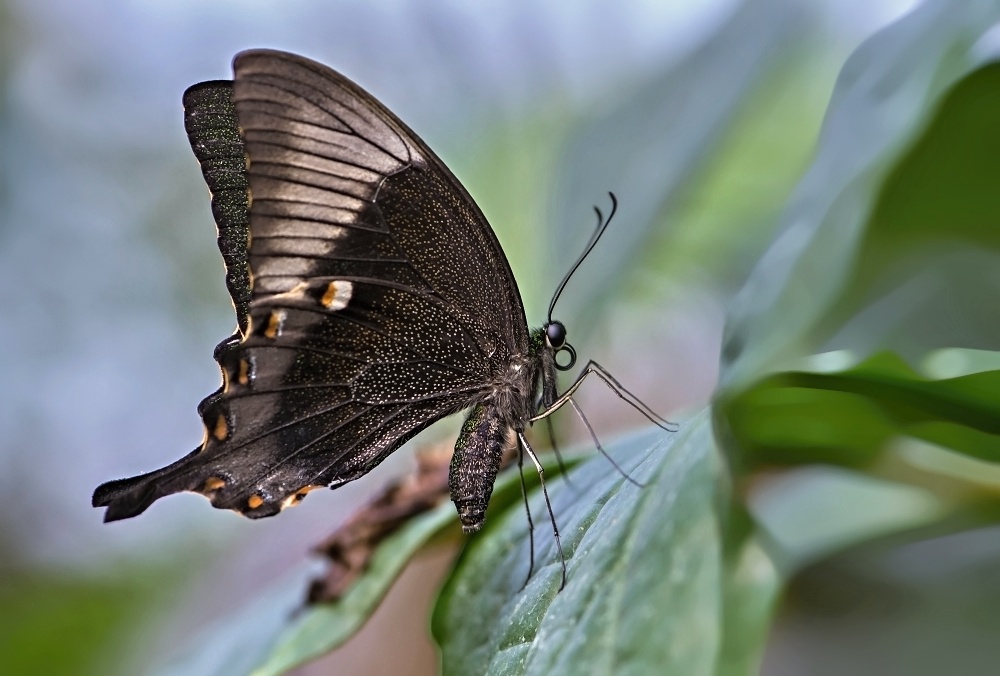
[213, 483]
[221, 431]
[275, 323]
[296, 497]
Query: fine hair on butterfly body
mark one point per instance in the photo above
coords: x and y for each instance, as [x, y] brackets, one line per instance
[372, 299]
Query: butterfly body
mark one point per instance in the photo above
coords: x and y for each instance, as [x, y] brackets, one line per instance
[372, 299]
[494, 424]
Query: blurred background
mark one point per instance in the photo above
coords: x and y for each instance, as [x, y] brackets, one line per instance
[113, 293]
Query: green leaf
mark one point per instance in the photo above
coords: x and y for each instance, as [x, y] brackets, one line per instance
[320, 628]
[277, 632]
[645, 572]
[840, 245]
[955, 361]
[847, 417]
[721, 219]
[750, 590]
[813, 512]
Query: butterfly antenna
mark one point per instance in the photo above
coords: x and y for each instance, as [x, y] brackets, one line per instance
[602, 225]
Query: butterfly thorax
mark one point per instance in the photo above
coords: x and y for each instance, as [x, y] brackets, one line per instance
[511, 391]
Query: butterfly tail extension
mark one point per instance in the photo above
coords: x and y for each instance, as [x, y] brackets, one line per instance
[125, 498]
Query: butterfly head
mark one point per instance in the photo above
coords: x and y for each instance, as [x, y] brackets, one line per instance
[555, 340]
[554, 331]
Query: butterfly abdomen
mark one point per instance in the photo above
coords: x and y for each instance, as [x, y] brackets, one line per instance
[474, 466]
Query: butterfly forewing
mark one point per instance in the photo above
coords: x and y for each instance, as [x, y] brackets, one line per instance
[322, 150]
[380, 299]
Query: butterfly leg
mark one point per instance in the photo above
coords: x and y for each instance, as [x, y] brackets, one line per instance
[527, 510]
[548, 504]
[566, 397]
[594, 368]
[555, 450]
[597, 443]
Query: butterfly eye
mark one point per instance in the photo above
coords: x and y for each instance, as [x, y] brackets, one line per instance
[555, 333]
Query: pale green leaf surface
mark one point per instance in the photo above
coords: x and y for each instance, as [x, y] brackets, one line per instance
[644, 591]
[236, 644]
[750, 590]
[813, 512]
[884, 97]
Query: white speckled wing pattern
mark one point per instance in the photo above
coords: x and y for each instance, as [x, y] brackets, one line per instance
[380, 300]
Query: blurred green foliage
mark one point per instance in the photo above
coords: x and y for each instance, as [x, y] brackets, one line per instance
[54, 622]
[50, 625]
[847, 417]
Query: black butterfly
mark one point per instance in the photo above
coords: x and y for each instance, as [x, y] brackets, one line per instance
[372, 299]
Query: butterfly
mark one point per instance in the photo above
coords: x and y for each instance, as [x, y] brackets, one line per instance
[372, 299]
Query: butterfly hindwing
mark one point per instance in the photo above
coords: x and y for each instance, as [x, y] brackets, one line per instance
[210, 122]
[380, 300]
